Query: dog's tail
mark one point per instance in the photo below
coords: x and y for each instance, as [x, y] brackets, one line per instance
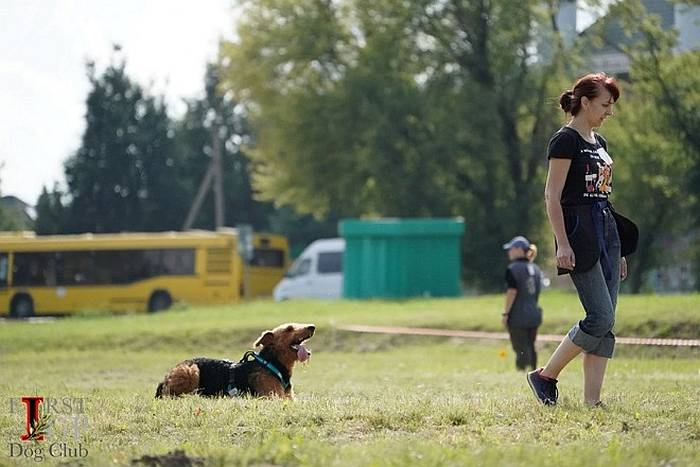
[159, 390]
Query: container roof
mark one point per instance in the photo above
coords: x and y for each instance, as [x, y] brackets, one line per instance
[396, 227]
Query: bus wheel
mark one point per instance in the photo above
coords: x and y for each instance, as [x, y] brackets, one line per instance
[160, 300]
[22, 306]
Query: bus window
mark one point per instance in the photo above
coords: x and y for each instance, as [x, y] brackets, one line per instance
[3, 269]
[126, 266]
[178, 262]
[34, 269]
[114, 267]
[267, 257]
[100, 267]
[78, 267]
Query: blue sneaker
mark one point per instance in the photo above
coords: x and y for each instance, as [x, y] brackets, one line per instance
[545, 389]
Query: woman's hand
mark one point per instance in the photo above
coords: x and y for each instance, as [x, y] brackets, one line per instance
[566, 258]
[504, 320]
[623, 268]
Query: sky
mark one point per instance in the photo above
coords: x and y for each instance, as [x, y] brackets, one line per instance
[44, 45]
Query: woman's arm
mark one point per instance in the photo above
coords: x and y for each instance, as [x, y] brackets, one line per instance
[510, 298]
[556, 177]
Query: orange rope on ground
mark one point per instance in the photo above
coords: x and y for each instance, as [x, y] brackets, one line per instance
[504, 335]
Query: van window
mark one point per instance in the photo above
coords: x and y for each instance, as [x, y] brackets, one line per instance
[330, 262]
[300, 268]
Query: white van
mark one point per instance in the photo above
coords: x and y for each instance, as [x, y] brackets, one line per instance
[316, 273]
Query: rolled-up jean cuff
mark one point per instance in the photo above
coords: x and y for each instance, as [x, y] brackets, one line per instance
[601, 346]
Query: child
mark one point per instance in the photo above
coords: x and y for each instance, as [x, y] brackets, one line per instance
[522, 315]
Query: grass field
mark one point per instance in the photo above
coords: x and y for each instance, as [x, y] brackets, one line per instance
[363, 399]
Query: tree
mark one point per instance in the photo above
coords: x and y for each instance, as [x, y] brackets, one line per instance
[50, 212]
[669, 79]
[216, 111]
[649, 181]
[302, 229]
[416, 108]
[124, 176]
[656, 135]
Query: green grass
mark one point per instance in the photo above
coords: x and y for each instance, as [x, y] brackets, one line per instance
[363, 399]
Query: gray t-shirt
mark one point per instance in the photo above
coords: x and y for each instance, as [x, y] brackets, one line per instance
[526, 277]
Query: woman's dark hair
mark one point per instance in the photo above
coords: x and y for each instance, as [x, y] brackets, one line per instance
[590, 87]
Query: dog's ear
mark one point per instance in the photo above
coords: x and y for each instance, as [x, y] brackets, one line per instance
[265, 339]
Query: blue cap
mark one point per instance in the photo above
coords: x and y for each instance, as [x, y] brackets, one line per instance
[519, 241]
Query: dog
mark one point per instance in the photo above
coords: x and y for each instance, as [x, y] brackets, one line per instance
[263, 374]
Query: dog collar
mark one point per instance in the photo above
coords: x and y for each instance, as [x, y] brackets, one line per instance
[271, 367]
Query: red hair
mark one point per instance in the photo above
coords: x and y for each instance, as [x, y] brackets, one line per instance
[588, 86]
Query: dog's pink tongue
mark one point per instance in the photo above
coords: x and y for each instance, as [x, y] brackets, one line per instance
[302, 353]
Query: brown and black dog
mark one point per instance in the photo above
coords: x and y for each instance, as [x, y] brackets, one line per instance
[266, 373]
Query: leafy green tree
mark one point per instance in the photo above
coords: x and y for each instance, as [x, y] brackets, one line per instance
[301, 229]
[193, 137]
[656, 136]
[668, 79]
[416, 108]
[649, 181]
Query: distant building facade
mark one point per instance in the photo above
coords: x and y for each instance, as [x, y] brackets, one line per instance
[684, 18]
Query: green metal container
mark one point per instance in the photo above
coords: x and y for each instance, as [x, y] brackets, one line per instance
[400, 258]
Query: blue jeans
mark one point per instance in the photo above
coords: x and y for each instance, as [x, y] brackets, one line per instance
[598, 296]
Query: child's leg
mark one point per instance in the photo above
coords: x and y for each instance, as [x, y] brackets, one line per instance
[532, 362]
[518, 339]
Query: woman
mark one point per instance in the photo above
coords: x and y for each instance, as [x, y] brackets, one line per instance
[522, 315]
[592, 239]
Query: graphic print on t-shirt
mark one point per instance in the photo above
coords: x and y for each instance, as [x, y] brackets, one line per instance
[590, 173]
[598, 175]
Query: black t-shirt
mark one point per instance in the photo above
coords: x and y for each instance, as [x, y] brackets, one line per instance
[590, 175]
[526, 277]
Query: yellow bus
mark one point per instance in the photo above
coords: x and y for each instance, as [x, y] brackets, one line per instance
[268, 265]
[118, 272]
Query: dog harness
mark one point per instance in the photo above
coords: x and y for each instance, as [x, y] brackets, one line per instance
[271, 367]
[250, 357]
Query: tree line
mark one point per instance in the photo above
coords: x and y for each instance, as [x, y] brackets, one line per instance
[137, 169]
[365, 108]
[444, 108]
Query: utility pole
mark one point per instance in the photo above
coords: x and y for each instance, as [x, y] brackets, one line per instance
[213, 178]
[218, 179]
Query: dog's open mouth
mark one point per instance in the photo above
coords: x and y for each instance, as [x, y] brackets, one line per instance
[303, 353]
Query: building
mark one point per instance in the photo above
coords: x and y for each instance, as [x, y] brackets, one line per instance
[21, 214]
[609, 58]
